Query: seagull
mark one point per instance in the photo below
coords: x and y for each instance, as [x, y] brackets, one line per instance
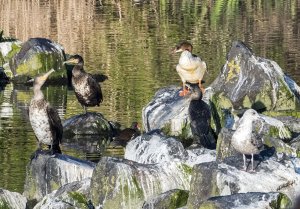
[244, 139]
[190, 67]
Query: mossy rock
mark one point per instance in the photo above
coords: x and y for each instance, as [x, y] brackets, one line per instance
[36, 56]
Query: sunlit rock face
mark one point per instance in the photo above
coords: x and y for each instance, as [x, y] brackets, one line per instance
[249, 81]
[171, 199]
[37, 55]
[46, 173]
[87, 124]
[72, 195]
[218, 179]
[169, 112]
[12, 200]
[120, 183]
[156, 148]
[248, 201]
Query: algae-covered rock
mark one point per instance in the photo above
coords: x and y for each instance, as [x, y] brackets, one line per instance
[272, 200]
[38, 55]
[12, 200]
[218, 179]
[46, 173]
[248, 81]
[88, 124]
[171, 199]
[70, 196]
[119, 183]
[8, 50]
[169, 112]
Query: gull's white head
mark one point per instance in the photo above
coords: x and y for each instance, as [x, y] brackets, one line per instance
[251, 115]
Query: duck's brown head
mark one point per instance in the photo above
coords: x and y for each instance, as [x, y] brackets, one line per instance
[182, 46]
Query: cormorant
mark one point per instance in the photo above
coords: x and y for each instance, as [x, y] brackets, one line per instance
[87, 89]
[44, 119]
[200, 115]
[190, 67]
[244, 139]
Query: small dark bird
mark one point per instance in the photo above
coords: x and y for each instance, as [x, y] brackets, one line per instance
[44, 119]
[87, 89]
[200, 115]
[125, 135]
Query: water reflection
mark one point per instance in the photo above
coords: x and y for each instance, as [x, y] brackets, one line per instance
[130, 43]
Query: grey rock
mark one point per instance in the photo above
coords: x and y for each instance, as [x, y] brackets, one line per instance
[218, 179]
[159, 149]
[120, 183]
[90, 123]
[272, 200]
[171, 199]
[46, 173]
[37, 55]
[72, 195]
[169, 112]
[12, 200]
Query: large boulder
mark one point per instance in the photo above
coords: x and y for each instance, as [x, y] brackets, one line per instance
[73, 195]
[12, 200]
[46, 173]
[120, 183]
[218, 179]
[37, 55]
[90, 123]
[248, 81]
[272, 200]
[169, 112]
[171, 199]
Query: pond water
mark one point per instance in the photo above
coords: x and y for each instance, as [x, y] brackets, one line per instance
[130, 43]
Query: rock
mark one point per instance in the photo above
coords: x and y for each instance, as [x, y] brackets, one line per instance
[12, 200]
[72, 195]
[156, 148]
[169, 112]
[88, 124]
[120, 183]
[171, 199]
[248, 81]
[46, 173]
[37, 55]
[272, 200]
[224, 147]
[218, 179]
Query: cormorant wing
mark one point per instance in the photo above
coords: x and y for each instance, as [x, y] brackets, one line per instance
[95, 86]
[55, 123]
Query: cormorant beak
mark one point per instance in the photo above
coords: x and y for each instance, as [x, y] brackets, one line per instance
[176, 50]
[71, 61]
[45, 76]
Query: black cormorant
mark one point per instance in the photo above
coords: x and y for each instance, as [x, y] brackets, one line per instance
[200, 115]
[125, 135]
[44, 119]
[87, 89]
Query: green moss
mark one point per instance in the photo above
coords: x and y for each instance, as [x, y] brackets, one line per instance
[282, 202]
[15, 48]
[166, 129]
[186, 169]
[280, 146]
[292, 113]
[208, 205]
[4, 204]
[139, 190]
[179, 199]
[80, 199]
[54, 185]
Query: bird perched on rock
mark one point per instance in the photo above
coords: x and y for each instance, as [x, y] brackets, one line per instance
[44, 119]
[125, 135]
[87, 89]
[200, 116]
[190, 67]
[244, 139]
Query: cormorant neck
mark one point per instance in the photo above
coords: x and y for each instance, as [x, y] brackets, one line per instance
[38, 94]
[77, 69]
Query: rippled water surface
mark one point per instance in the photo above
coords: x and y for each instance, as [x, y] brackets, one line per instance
[130, 42]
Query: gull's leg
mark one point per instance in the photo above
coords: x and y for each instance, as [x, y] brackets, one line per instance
[244, 168]
[252, 159]
[201, 87]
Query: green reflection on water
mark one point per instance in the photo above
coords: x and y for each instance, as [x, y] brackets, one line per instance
[131, 45]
